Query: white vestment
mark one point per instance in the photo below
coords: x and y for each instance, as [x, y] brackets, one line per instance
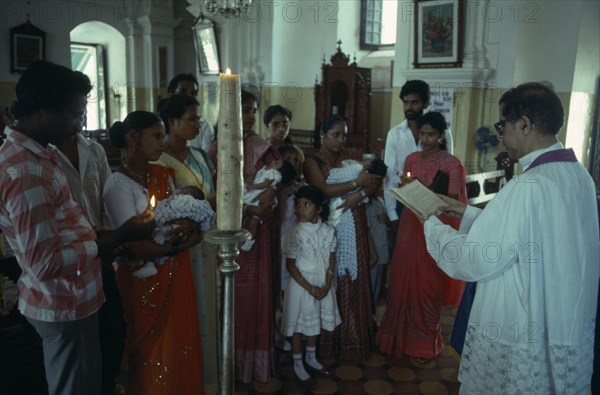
[534, 252]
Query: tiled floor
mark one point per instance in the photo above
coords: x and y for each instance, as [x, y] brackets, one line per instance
[379, 375]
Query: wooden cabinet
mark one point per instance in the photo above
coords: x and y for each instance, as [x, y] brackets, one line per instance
[345, 90]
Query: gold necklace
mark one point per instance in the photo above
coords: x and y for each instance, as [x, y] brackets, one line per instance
[139, 177]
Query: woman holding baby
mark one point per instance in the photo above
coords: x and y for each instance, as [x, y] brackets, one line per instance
[193, 167]
[348, 184]
[163, 353]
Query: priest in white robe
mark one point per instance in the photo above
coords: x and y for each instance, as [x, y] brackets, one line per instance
[534, 252]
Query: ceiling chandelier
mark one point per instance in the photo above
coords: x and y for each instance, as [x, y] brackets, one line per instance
[227, 7]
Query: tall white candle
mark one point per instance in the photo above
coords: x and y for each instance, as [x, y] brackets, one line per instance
[230, 154]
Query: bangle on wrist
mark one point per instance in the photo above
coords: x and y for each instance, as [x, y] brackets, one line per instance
[353, 184]
[363, 193]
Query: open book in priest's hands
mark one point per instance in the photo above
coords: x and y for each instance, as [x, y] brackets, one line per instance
[418, 198]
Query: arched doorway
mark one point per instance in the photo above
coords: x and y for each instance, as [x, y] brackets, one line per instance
[98, 50]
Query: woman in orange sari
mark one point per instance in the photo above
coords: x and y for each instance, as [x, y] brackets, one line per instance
[162, 346]
[418, 289]
[181, 117]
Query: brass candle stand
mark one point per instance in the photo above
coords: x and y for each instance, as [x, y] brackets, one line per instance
[228, 240]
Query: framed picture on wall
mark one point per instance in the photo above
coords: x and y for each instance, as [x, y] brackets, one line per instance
[27, 44]
[206, 46]
[438, 33]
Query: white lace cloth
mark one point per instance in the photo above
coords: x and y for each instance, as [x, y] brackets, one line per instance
[178, 207]
[536, 366]
[343, 221]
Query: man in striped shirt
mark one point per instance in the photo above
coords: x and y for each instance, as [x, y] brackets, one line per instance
[56, 247]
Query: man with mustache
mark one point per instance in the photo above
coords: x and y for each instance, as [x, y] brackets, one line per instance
[402, 140]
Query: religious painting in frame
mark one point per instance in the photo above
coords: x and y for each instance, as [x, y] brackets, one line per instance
[206, 46]
[27, 44]
[438, 33]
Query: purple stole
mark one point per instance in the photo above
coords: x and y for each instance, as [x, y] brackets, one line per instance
[459, 332]
[559, 155]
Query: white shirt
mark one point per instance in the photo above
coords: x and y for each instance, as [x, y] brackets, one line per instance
[87, 184]
[400, 143]
[205, 138]
[534, 252]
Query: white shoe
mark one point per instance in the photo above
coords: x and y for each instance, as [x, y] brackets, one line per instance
[287, 346]
[247, 245]
[283, 344]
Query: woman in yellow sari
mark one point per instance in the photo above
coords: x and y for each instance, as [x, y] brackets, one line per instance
[181, 116]
[162, 351]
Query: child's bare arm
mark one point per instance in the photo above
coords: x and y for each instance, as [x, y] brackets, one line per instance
[328, 278]
[290, 264]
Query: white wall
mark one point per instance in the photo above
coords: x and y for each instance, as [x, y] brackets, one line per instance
[57, 19]
[588, 50]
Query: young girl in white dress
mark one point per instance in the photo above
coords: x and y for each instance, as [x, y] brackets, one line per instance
[310, 304]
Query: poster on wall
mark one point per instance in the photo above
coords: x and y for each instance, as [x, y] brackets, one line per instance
[442, 100]
[27, 44]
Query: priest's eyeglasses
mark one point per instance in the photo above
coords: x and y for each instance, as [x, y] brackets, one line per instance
[500, 125]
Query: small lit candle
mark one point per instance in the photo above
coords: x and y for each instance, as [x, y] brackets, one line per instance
[152, 201]
[408, 174]
[230, 154]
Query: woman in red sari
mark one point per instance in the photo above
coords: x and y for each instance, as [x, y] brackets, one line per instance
[162, 347]
[254, 317]
[353, 339]
[418, 289]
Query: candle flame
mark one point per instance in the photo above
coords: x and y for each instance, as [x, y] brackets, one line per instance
[408, 174]
[152, 201]
[228, 71]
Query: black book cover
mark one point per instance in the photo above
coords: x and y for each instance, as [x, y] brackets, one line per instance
[440, 183]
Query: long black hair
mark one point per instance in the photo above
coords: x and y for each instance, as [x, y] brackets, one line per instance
[136, 120]
[315, 195]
